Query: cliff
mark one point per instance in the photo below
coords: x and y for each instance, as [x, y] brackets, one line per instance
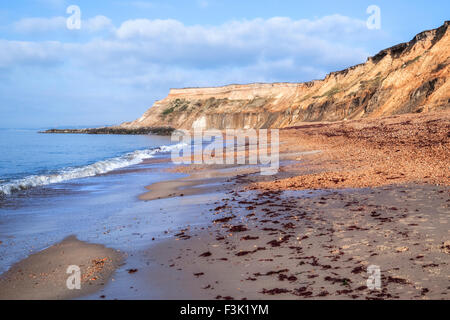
[411, 77]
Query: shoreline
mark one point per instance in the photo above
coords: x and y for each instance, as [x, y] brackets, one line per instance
[300, 233]
[303, 235]
[210, 180]
[43, 275]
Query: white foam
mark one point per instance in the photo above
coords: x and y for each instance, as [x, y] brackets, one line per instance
[96, 168]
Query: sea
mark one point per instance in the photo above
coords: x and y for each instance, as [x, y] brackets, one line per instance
[30, 159]
[56, 185]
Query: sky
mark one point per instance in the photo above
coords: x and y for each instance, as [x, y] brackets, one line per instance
[128, 54]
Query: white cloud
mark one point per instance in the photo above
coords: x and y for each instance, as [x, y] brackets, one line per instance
[279, 27]
[320, 42]
[16, 54]
[97, 23]
[137, 46]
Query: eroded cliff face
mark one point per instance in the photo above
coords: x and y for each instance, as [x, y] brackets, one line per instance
[410, 77]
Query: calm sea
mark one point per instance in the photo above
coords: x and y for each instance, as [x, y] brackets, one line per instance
[56, 185]
[30, 159]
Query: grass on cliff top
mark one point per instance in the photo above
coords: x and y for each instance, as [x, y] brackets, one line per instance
[180, 104]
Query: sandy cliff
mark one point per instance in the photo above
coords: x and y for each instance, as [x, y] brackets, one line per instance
[407, 78]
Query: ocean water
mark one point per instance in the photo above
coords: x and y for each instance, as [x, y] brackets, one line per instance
[57, 185]
[30, 159]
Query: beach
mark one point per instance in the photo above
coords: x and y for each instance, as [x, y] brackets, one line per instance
[43, 275]
[314, 245]
[348, 195]
[377, 195]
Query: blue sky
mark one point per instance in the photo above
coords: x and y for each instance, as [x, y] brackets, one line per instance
[128, 54]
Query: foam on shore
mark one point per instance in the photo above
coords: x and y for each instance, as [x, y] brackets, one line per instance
[99, 167]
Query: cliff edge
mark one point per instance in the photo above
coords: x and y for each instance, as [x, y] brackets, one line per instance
[411, 77]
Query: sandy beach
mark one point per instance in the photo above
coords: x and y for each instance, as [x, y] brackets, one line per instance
[376, 194]
[313, 245]
[348, 195]
[43, 275]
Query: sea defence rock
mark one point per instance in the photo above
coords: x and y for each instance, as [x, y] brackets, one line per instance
[411, 77]
[116, 130]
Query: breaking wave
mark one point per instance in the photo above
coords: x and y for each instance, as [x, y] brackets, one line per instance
[90, 170]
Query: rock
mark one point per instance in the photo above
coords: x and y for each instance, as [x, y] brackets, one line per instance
[163, 131]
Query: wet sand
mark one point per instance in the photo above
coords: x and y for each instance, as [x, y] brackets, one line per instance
[315, 245]
[303, 233]
[212, 180]
[43, 275]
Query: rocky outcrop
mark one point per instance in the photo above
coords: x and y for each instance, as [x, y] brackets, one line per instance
[116, 130]
[409, 77]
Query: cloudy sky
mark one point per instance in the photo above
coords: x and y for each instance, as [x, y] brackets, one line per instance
[127, 54]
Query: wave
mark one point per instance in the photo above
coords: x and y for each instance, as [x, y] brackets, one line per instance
[90, 170]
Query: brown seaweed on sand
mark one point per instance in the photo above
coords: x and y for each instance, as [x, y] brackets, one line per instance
[274, 291]
[238, 228]
[205, 254]
[302, 292]
[250, 238]
[277, 243]
[225, 219]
